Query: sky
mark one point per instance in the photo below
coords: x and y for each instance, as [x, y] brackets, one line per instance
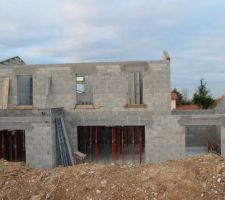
[65, 31]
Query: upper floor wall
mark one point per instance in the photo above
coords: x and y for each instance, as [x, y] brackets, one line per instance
[115, 86]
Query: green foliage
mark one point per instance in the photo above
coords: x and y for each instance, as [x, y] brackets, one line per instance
[202, 96]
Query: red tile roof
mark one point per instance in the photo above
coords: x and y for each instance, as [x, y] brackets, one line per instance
[217, 101]
[188, 107]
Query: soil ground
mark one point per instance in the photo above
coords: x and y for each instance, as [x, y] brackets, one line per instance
[199, 177]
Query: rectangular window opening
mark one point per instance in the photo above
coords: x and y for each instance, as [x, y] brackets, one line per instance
[80, 84]
[12, 145]
[135, 87]
[24, 90]
[83, 90]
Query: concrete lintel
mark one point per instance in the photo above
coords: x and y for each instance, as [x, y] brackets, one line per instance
[25, 119]
[202, 120]
[15, 126]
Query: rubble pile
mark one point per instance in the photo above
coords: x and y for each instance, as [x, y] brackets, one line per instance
[199, 177]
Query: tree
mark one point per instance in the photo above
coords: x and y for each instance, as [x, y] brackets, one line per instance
[202, 96]
[185, 100]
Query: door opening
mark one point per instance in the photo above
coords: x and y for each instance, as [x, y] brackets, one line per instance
[12, 145]
[117, 144]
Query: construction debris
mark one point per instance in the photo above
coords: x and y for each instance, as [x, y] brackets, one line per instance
[200, 177]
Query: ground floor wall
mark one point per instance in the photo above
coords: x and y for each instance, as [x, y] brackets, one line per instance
[204, 128]
[223, 141]
[164, 136]
[165, 139]
[40, 139]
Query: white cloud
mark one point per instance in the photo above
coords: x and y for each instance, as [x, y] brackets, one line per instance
[84, 30]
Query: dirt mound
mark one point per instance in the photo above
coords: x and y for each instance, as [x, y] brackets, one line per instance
[200, 177]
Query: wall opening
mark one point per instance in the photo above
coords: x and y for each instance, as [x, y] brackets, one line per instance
[24, 90]
[12, 145]
[112, 144]
[135, 87]
[201, 139]
[84, 90]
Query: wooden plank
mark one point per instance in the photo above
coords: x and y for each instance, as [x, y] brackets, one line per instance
[5, 93]
[84, 106]
[80, 154]
[137, 87]
[28, 107]
[131, 88]
[135, 106]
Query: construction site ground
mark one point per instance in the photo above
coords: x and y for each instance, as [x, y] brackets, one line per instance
[199, 177]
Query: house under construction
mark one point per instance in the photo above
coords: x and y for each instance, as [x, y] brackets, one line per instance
[109, 111]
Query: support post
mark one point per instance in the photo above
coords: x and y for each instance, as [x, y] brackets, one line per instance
[133, 153]
[127, 136]
[122, 145]
[90, 143]
[85, 132]
[140, 141]
[11, 144]
[112, 148]
[96, 144]
[3, 146]
[24, 145]
[115, 143]
[104, 142]
[15, 147]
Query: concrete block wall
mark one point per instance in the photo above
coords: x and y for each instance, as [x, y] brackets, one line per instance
[165, 139]
[55, 85]
[40, 136]
[110, 87]
[193, 112]
[39, 146]
[156, 89]
[164, 135]
[199, 135]
[223, 140]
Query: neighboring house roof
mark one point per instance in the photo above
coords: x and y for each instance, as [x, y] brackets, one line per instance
[217, 101]
[15, 61]
[174, 96]
[188, 107]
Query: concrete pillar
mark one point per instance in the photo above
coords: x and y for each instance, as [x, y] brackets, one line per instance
[222, 141]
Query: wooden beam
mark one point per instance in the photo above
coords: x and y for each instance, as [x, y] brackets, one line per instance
[5, 93]
[84, 106]
[135, 106]
[28, 107]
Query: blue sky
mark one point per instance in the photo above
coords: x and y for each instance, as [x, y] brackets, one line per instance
[193, 32]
